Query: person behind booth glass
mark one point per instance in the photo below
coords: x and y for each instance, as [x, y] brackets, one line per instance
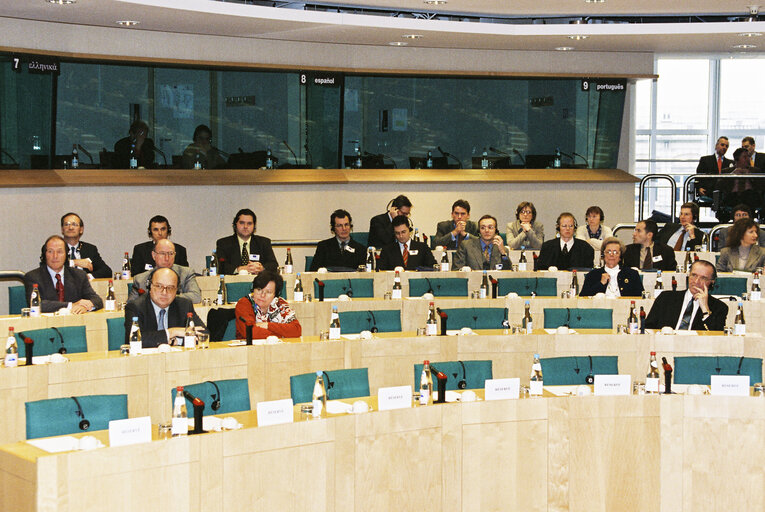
[405, 252]
[755, 159]
[693, 309]
[341, 252]
[742, 252]
[744, 190]
[525, 231]
[683, 236]
[740, 211]
[450, 233]
[645, 253]
[164, 257]
[612, 279]
[381, 226]
[594, 232]
[144, 147]
[60, 285]
[159, 229]
[487, 252]
[81, 254]
[269, 314]
[565, 252]
[202, 150]
[244, 251]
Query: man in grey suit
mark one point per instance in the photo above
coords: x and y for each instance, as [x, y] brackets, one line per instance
[450, 233]
[485, 252]
[164, 257]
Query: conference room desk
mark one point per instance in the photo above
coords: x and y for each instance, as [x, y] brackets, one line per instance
[624, 453]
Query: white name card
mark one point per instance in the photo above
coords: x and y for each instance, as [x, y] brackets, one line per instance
[130, 431]
[396, 397]
[275, 412]
[610, 385]
[501, 389]
[730, 385]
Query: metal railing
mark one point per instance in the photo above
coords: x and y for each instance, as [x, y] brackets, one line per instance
[688, 191]
[641, 192]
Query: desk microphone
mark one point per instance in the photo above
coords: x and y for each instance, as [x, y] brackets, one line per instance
[29, 348]
[586, 162]
[61, 350]
[87, 153]
[567, 155]
[199, 408]
[164, 158]
[444, 153]
[11, 156]
[293, 153]
[220, 151]
[519, 156]
[495, 150]
[84, 423]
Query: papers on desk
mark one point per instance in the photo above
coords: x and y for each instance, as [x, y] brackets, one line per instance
[461, 332]
[267, 341]
[66, 443]
[216, 424]
[555, 331]
[52, 358]
[155, 350]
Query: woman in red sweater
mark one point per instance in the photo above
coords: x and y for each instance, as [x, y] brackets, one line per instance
[268, 314]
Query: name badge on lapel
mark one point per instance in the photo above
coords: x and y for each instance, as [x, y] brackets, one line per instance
[254, 257]
[413, 253]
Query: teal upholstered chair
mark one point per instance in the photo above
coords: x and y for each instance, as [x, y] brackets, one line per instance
[352, 322]
[474, 373]
[233, 394]
[524, 286]
[17, 299]
[60, 416]
[115, 328]
[230, 332]
[698, 369]
[361, 237]
[578, 318]
[475, 318]
[567, 371]
[235, 291]
[439, 286]
[334, 287]
[48, 341]
[340, 384]
[729, 286]
[308, 261]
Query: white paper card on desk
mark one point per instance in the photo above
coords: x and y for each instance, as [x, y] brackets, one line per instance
[651, 385]
[130, 431]
[501, 389]
[275, 412]
[729, 385]
[611, 385]
[397, 397]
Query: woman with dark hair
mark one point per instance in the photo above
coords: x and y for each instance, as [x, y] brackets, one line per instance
[269, 314]
[594, 232]
[525, 232]
[742, 252]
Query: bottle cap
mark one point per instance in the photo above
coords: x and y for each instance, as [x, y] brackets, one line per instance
[189, 314]
[653, 353]
[431, 303]
[426, 362]
[135, 318]
[527, 303]
[318, 373]
[179, 389]
[536, 356]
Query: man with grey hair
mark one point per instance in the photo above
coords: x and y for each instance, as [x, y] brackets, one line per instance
[164, 257]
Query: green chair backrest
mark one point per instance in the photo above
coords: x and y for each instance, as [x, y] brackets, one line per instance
[699, 369]
[230, 333]
[340, 384]
[115, 328]
[17, 299]
[353, 322]
[578, 318]
[524, 286]
[48, 341]
[361, 237]
[59, 416]
[504, 237]
[440, 286]
[474, 373]
[235, 291]
[334, 287]
[475, 318]
[308, 261]
[568, 371]
[234, 396]
[730, 286]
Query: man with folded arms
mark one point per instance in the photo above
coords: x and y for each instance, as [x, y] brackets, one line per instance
[82, 255]
[164, 257]
[60, 285]
[646, 254]
[341, 251]
[484, 252]
[244, 251]
[405, 252]
[450, 233]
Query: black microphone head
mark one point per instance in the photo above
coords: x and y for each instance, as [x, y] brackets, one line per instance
[84, 424]
[215, 405]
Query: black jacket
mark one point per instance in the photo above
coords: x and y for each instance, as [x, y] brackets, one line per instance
[628, 279]
[142, 257]
[147, 320]
[667, 262]
[581, 255]
[665, 312]
[230, 256]
[328, 255]
[390, 257]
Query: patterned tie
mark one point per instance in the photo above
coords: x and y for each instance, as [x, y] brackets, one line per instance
[59, 288]
[686, 321]
[245, 254]
[486, 254]
[72, 255]
[161, 321]
[565, 249]
[648, 262]
[405, 255]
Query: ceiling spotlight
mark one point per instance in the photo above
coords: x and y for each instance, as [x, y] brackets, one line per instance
[744, 46]
[62, 2]
[398, 43]
[435, 2]
[578, 38]
[594, 1]
[128, 23]
[564, 48]
[412, 36]
[750, 34]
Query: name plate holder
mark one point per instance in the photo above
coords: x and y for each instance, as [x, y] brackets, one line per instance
[613, 385]
[502, 389]
[729, 385]
[130, 431]
[275, 412]
[396, 397]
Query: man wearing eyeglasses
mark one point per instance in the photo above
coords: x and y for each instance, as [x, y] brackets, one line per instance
[161, 313]
[202, 152]
[693, 309]
[612, 280]
[566, 252]
[82, 254]
[341, 252]
[164, 257]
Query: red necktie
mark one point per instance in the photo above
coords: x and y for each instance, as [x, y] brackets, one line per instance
[719, 164]
[405, 255]
[59, 288]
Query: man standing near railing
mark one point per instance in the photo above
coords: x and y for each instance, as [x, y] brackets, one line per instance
[715, 163]
[755, 159]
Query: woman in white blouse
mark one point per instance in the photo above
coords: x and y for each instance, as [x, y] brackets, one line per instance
[594, 232]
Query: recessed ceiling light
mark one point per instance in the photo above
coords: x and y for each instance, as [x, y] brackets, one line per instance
[128, 23]
[564, 48]
[412, 36]
[398, 43]
[62, 2]
[435, 2]
[578, 38]
[594, 1]
[750, 34]
[744, 46]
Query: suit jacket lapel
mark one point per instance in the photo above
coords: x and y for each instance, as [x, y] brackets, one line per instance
[149, 315]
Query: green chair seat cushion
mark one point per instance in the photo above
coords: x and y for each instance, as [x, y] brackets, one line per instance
[474, 374]
[115, 328]
[524, 286]
[340, 384]
[353, 322]
[573, 370]
[439, 286]
[48, 341]
[578, 318]
[17, 299]
[730, 286]
[699, 369]
[361, 288]
[475, 318]
[58, 416]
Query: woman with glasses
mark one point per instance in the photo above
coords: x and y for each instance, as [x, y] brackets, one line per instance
[594, 232]
[269, 314]
[742, 251]
[611, 279]
[525, 232]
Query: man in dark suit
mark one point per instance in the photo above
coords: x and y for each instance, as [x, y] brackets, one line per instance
[159, 229]
[381, 226]
[683, 236]
[693, 309]
[715, 163]
[60, 285]
[405, 252]
[244, 250]
[450, 233]
[138, 140]
[341, 251]
[161, 313]
[485, 252]
[611, 279]
[755, 159]
[82, 254]
[565, 252]
[646, 254]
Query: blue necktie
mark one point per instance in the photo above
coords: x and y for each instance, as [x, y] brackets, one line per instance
[161, 322]
[686, 321]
